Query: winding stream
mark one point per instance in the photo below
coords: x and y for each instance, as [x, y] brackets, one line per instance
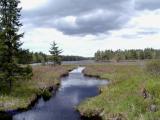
[74, 88]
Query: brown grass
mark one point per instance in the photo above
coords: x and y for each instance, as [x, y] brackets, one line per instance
[25, 91]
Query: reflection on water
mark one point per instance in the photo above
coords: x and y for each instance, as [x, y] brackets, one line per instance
[74, 88]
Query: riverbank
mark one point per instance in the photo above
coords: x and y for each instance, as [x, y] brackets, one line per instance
[75, 87]
[25, 92]
[133, 94]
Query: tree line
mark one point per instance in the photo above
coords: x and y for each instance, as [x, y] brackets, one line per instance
[133, 54]
[27, 57]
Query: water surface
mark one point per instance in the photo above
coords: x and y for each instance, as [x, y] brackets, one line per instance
[74, 88]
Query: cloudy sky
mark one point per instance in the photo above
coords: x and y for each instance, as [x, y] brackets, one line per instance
[81, 27]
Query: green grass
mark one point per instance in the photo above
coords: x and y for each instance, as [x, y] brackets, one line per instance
[26, 91]
[123, 97]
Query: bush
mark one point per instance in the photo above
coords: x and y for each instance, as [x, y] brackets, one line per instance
[46, 94]
[153, 67]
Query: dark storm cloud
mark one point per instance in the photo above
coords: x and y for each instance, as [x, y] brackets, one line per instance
[90, 17]
[147, 4]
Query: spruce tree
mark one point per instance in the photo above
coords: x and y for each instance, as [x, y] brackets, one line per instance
[55, 52]
[10, 40]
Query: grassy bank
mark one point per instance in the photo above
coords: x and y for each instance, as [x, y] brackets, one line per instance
[24, 92]
[133, 94]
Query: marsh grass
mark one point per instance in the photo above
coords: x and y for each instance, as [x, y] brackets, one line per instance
[153, 67]
[124, 97]
[26, 91]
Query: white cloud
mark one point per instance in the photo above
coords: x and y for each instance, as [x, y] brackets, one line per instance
[29, 5]
[147, 19]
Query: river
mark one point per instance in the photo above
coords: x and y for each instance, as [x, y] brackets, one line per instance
[74, 88]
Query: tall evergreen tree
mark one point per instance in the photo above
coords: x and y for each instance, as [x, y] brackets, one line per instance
[55, 52]
[10, 40]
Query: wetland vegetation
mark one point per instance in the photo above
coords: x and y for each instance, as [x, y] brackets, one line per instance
[112, 85]
[133, 92]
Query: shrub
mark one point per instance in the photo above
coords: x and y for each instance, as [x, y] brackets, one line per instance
[46, 94]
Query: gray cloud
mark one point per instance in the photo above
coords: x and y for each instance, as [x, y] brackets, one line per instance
[96, 22]
[56, 8]
[147, 33]
[141, 33]
[82, 17]
[147, 4]
[131, 36]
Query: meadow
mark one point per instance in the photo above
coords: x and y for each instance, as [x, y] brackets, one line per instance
[133, 93]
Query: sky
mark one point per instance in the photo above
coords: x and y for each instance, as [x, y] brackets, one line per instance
[81, 27]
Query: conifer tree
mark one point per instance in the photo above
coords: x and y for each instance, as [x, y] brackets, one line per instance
[55, 52]
[10, 41]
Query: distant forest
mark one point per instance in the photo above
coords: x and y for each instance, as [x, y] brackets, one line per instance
[133, 54]
[27, 57]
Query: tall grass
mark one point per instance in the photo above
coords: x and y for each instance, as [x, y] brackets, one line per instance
[153, 67]
[26, 91]
[125, 97]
